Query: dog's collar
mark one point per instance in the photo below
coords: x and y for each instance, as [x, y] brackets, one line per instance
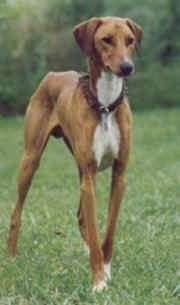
[93, 100]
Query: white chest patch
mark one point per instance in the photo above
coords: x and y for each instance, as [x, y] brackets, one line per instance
[106, 141]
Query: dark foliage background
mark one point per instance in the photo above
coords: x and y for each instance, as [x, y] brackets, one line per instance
[36, 37]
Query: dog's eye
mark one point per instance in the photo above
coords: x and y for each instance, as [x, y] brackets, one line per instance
[107, 39]
[130, 41]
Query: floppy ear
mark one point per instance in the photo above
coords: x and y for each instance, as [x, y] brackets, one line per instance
[84, 34]
[136, 29]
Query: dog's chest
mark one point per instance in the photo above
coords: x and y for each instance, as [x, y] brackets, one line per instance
[106, 142]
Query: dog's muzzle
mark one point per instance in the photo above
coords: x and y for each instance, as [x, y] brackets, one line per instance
[126, 68]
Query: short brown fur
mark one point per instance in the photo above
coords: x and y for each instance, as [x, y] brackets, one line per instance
[58, 107]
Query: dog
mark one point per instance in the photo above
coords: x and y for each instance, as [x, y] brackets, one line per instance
[92, 115]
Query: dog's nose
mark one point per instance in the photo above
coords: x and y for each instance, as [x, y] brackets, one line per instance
[126, 68]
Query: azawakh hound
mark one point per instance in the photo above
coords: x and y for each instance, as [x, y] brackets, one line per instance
[91, 113]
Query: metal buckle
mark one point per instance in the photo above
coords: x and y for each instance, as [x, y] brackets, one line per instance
[104, 109]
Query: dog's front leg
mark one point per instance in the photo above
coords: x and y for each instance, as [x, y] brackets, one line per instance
[89, 215]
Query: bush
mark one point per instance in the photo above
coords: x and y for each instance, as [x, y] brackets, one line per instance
[36, 37]
[155, 86]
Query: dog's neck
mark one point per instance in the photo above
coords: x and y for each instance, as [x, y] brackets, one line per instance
[109, 87]
[105, 85]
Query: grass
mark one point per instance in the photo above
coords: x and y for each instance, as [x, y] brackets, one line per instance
[53, 269]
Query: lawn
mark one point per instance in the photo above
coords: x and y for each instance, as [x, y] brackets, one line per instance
[53, 268]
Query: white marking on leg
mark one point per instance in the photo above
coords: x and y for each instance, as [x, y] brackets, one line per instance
[86, 248]
[107, 270]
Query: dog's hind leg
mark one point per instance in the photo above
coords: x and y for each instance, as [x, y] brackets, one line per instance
[82, 227]
[81, 218]
[81, 223]
[36, 137]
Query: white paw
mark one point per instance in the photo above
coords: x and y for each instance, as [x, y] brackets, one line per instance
[107, 270]
[100, 286]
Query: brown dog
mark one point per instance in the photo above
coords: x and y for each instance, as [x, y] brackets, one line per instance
[93, 117]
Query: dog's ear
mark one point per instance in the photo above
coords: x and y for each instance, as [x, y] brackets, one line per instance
[84, 34]
[136, 29]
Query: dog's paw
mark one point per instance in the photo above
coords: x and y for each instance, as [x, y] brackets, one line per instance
[100, 286]
[107, 271]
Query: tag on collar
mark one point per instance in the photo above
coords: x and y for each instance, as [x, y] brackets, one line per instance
[104, 119]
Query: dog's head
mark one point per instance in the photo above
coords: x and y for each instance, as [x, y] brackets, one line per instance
[112, 40]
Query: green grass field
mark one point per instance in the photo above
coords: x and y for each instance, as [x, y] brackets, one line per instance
[54, 269]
